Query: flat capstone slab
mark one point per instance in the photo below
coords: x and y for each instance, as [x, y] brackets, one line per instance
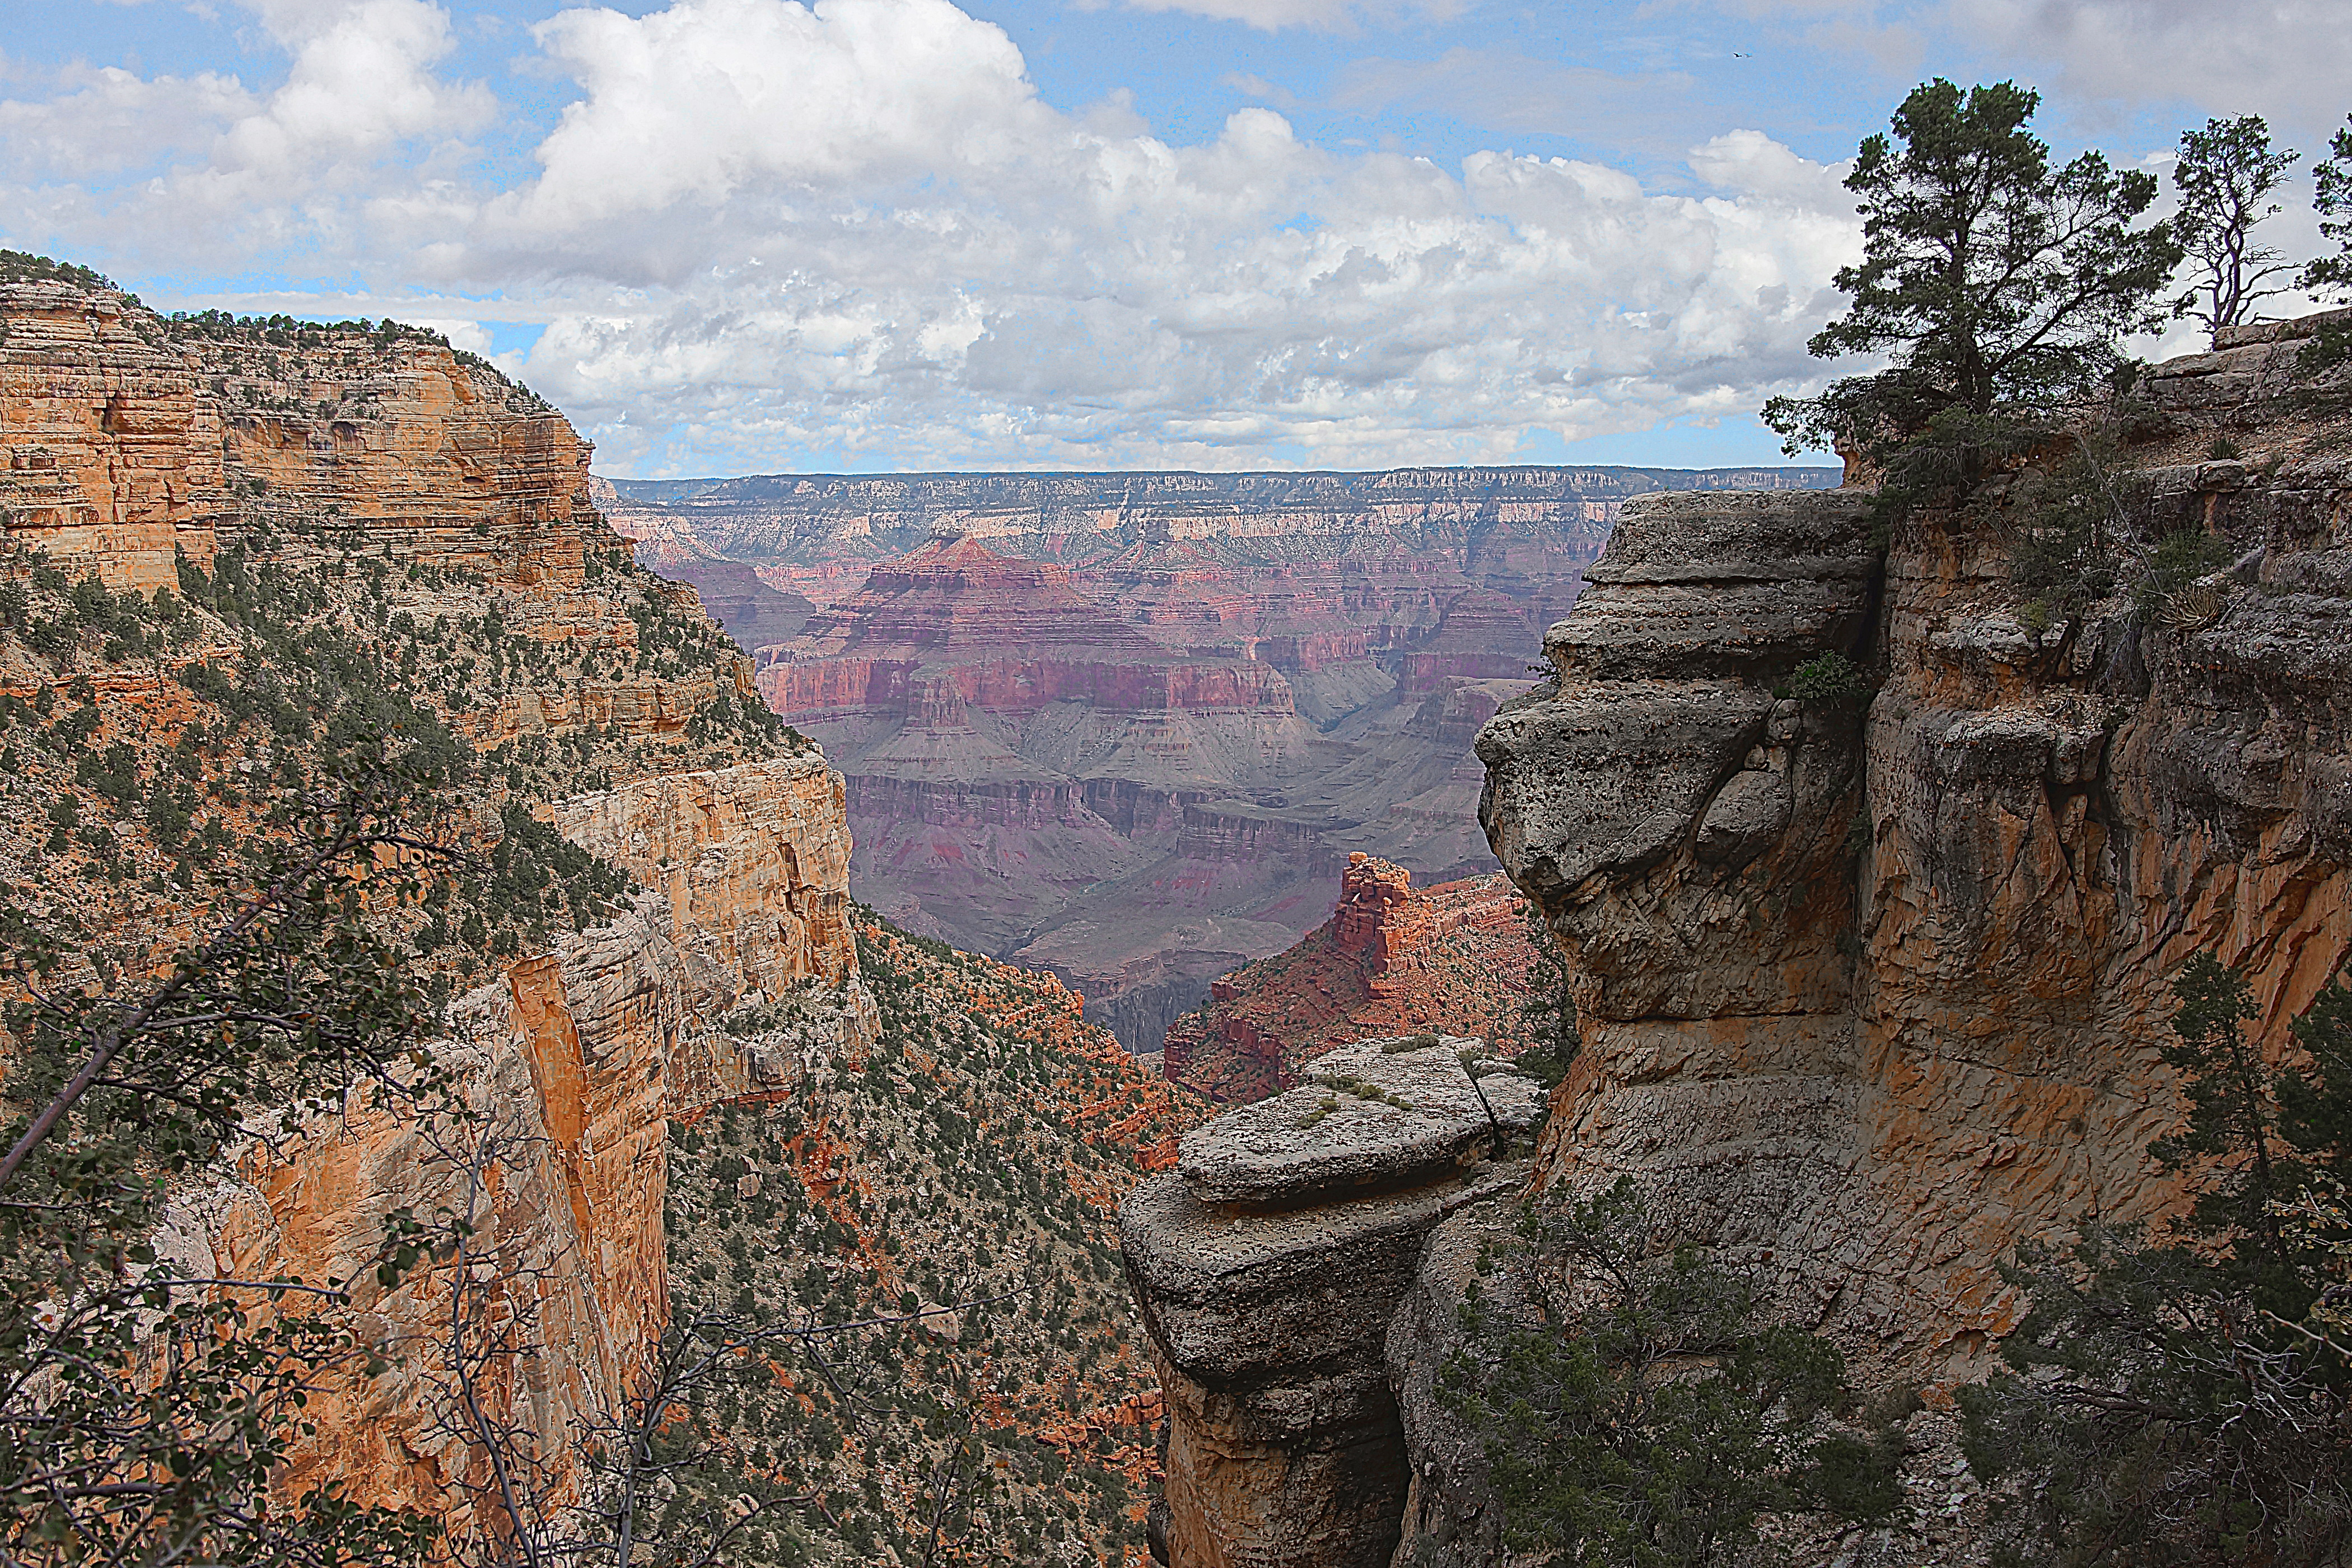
[1374, 1116]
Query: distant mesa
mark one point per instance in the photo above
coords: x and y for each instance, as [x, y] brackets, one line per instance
[1391, 959]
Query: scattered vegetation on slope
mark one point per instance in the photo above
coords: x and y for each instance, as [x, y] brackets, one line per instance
[957, 1188]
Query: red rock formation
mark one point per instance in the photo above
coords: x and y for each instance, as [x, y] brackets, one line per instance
[1176, 629]
[1388, 962]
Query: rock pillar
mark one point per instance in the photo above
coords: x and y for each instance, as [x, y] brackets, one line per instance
[1268, 1266]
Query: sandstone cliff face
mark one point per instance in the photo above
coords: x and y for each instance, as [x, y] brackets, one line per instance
[1875, 999]
[753, 864]
[1872, 984]
[127, 436]
[425, 514]
[1390, 959]
[564, 1061]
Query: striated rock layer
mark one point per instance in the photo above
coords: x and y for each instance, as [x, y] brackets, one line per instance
[1268, 1264]
[1876, 994]
[1390, 959]
[1126, 726]
[452, 508]
[126, 438]
[1873, 983]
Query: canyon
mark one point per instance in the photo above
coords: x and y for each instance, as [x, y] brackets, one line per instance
[1129, 728]
[1869, 953]
[1872, 972]
[228, 541]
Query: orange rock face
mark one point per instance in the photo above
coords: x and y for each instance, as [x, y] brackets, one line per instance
[113, 458]
[1871, 997]
[123, 440]
[124, 437]
[1389, 960]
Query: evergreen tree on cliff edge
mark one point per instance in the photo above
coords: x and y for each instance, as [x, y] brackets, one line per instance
[1998, 284]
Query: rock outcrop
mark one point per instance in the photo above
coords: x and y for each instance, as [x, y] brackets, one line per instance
[1390, 959]
[751, 864]
[1874, 872]
[1877, 995]
[406, 504]
[1268, 1264]
[1874, 993]
[1159, 710]
[128, 438]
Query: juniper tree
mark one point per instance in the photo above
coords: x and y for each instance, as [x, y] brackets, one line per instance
[1638, 1409]
[1998, 284]
[2180, 1395]
[2332, 196]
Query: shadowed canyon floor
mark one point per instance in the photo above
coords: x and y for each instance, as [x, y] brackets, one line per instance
[1129, 726]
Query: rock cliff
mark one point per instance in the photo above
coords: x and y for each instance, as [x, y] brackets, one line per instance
[1390, 959]
[1877, 991]
[1268, 1264]
[290, 515]
[130, 436]
[1160, 709]
[1871, 951]
[1873, 985]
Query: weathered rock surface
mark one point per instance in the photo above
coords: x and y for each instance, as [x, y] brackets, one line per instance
[1268, 1266]
[1392, 960]
[1153, 713]
[1869, 1000]
[124, 440]
[753, 864]
[564, 1062]
[1385, 1115]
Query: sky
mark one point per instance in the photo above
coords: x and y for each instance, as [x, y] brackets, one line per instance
[758, 235]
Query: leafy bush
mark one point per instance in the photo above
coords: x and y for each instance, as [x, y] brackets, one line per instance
[1828, 680]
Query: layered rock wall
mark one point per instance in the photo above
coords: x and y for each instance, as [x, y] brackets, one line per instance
[1302, 658]
[1873, 994]
[124, 440]
[126, 436]
[564, 1062]
[1268, 1264]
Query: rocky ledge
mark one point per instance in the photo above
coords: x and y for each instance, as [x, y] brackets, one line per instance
[1269, 1264]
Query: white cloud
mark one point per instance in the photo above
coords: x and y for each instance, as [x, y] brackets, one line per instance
[2285, 55]
[768, 234]
[854, 227]
[361, 83]
[244, 170]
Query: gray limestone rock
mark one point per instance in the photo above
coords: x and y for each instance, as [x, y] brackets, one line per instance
[1268, 1266]
[1375, 1116]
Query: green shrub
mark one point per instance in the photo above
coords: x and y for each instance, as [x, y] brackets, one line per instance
[1649, 1419]
[1828, 680]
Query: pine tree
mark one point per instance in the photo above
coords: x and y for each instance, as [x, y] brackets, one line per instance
[1998, 286]
[2225, 175]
